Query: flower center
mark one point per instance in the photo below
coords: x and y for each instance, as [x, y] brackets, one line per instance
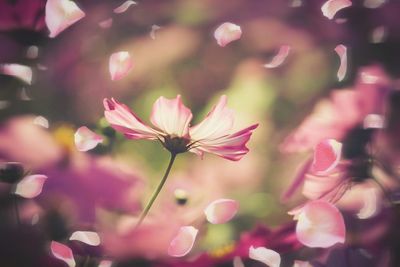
[176, 144]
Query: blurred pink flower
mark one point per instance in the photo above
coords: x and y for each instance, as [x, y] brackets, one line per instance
[172, 128]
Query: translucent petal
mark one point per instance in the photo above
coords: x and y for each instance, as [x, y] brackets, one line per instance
[279, 58]
[87, 237]
[227, 32]
[85, 139]
[124, 7]
[183, 241]
[327, 155]
[341, 50]
[331, 7]
[120, 64]
[221, 210]
[63, 253]
[30, 186]
[267, 256]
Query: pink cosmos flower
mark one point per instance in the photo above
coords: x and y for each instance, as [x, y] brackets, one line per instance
[172, 128]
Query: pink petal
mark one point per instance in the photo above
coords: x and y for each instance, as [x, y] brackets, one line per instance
[31, 186]
[341, 50]
[22, 72]
[63, 253]
[90, 238]
[105, 24]
[221, 210]
[41, 121]
[60, 14]
[267, 256]
[279, 58]
[370, 207]
[124, 7]
[320, 224]
[331, 7]
[171, 116]
[183, 242]
[374, 121]
[123, 120]
[154, 28]
[85, 139]
[120, 64]
[105, 263]
[302, 264]
[327, 155]
[227, 32]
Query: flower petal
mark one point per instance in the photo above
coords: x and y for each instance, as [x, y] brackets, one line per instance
[320, 224]
[183, 241]
[124, 7]
[171, 116]
[279, 58]
[85, 139]
[63, 253]
[87, 237]
[119, 65]
[60, 14]
[123, 120]
[105, 263]
[341, 50]
[327, 155]
[105, 24]
[330, 7]
[370, 207]
[221, 210]
[22, 72]
[227, 32]
[302, 264]
[267, 256]
[31, 186]
[41, 121]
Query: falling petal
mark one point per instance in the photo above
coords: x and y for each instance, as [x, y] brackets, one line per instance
[60, 14]
[90, 238]
[331, 7]
[378, 35]
[30, 186]
[327, 155]
[279, 58]
[183, 242]
[105, 24]
[154, 28]
[302, 264]
[267, 256]
[41, 67]
[296, 3]
[341, 50]
[120, 64]
[237, 262]
[105, 263]
[63, 253]
[374, 121]
[227, 32]
[32, 52]
[22, 72]
[41, 121]
[373, 3]
[124, 7]
[85, 139]
[221, 210]
[24, 95]
[320, 224]
[370, 206]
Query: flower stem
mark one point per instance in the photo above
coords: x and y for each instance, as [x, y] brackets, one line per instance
[156, 192]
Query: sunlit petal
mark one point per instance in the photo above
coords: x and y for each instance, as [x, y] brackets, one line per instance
[370, 206]
[331, 7]
[85, 139]
[221, 210]
[327, 155]
[374, 121]
[63, 253]
[171, 116]
[341, 50]
[120, 64]
[183, 241]
[60, 14]
[227, 32]
[22, 72]
[279, 58]
[31, 186]
[267, 256]
[320, 224]
[87, 237]
[124, 7]
[41, 121]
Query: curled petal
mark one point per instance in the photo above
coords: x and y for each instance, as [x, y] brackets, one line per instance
[267, 256]
[374, 3]
[85, 139]
[22, 72]
[31, 186]
[183, 241]
[120, 64]
[370, 206]
[63, 253]
[374, 121]
[320, 224]
[124, 7]
[227, 32]
[171, 116]
[331, 7]
[341, 50]
[123, 120]
[41, 121]
[221, 210]
[279, 58]
[90, 238]
[327, 155]
[60, 14]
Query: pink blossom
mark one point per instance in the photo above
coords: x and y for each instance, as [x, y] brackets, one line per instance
[172, 128]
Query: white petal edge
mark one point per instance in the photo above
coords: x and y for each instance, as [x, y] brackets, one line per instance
[279, 58]
[87, 237]
[267, 256]
[221, 210]
[331, 7]
[85, 139]
[30, 186]
[183, 241]
[21, 72]
[341, 50]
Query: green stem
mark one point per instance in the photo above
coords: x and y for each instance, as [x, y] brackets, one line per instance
[156, 192]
